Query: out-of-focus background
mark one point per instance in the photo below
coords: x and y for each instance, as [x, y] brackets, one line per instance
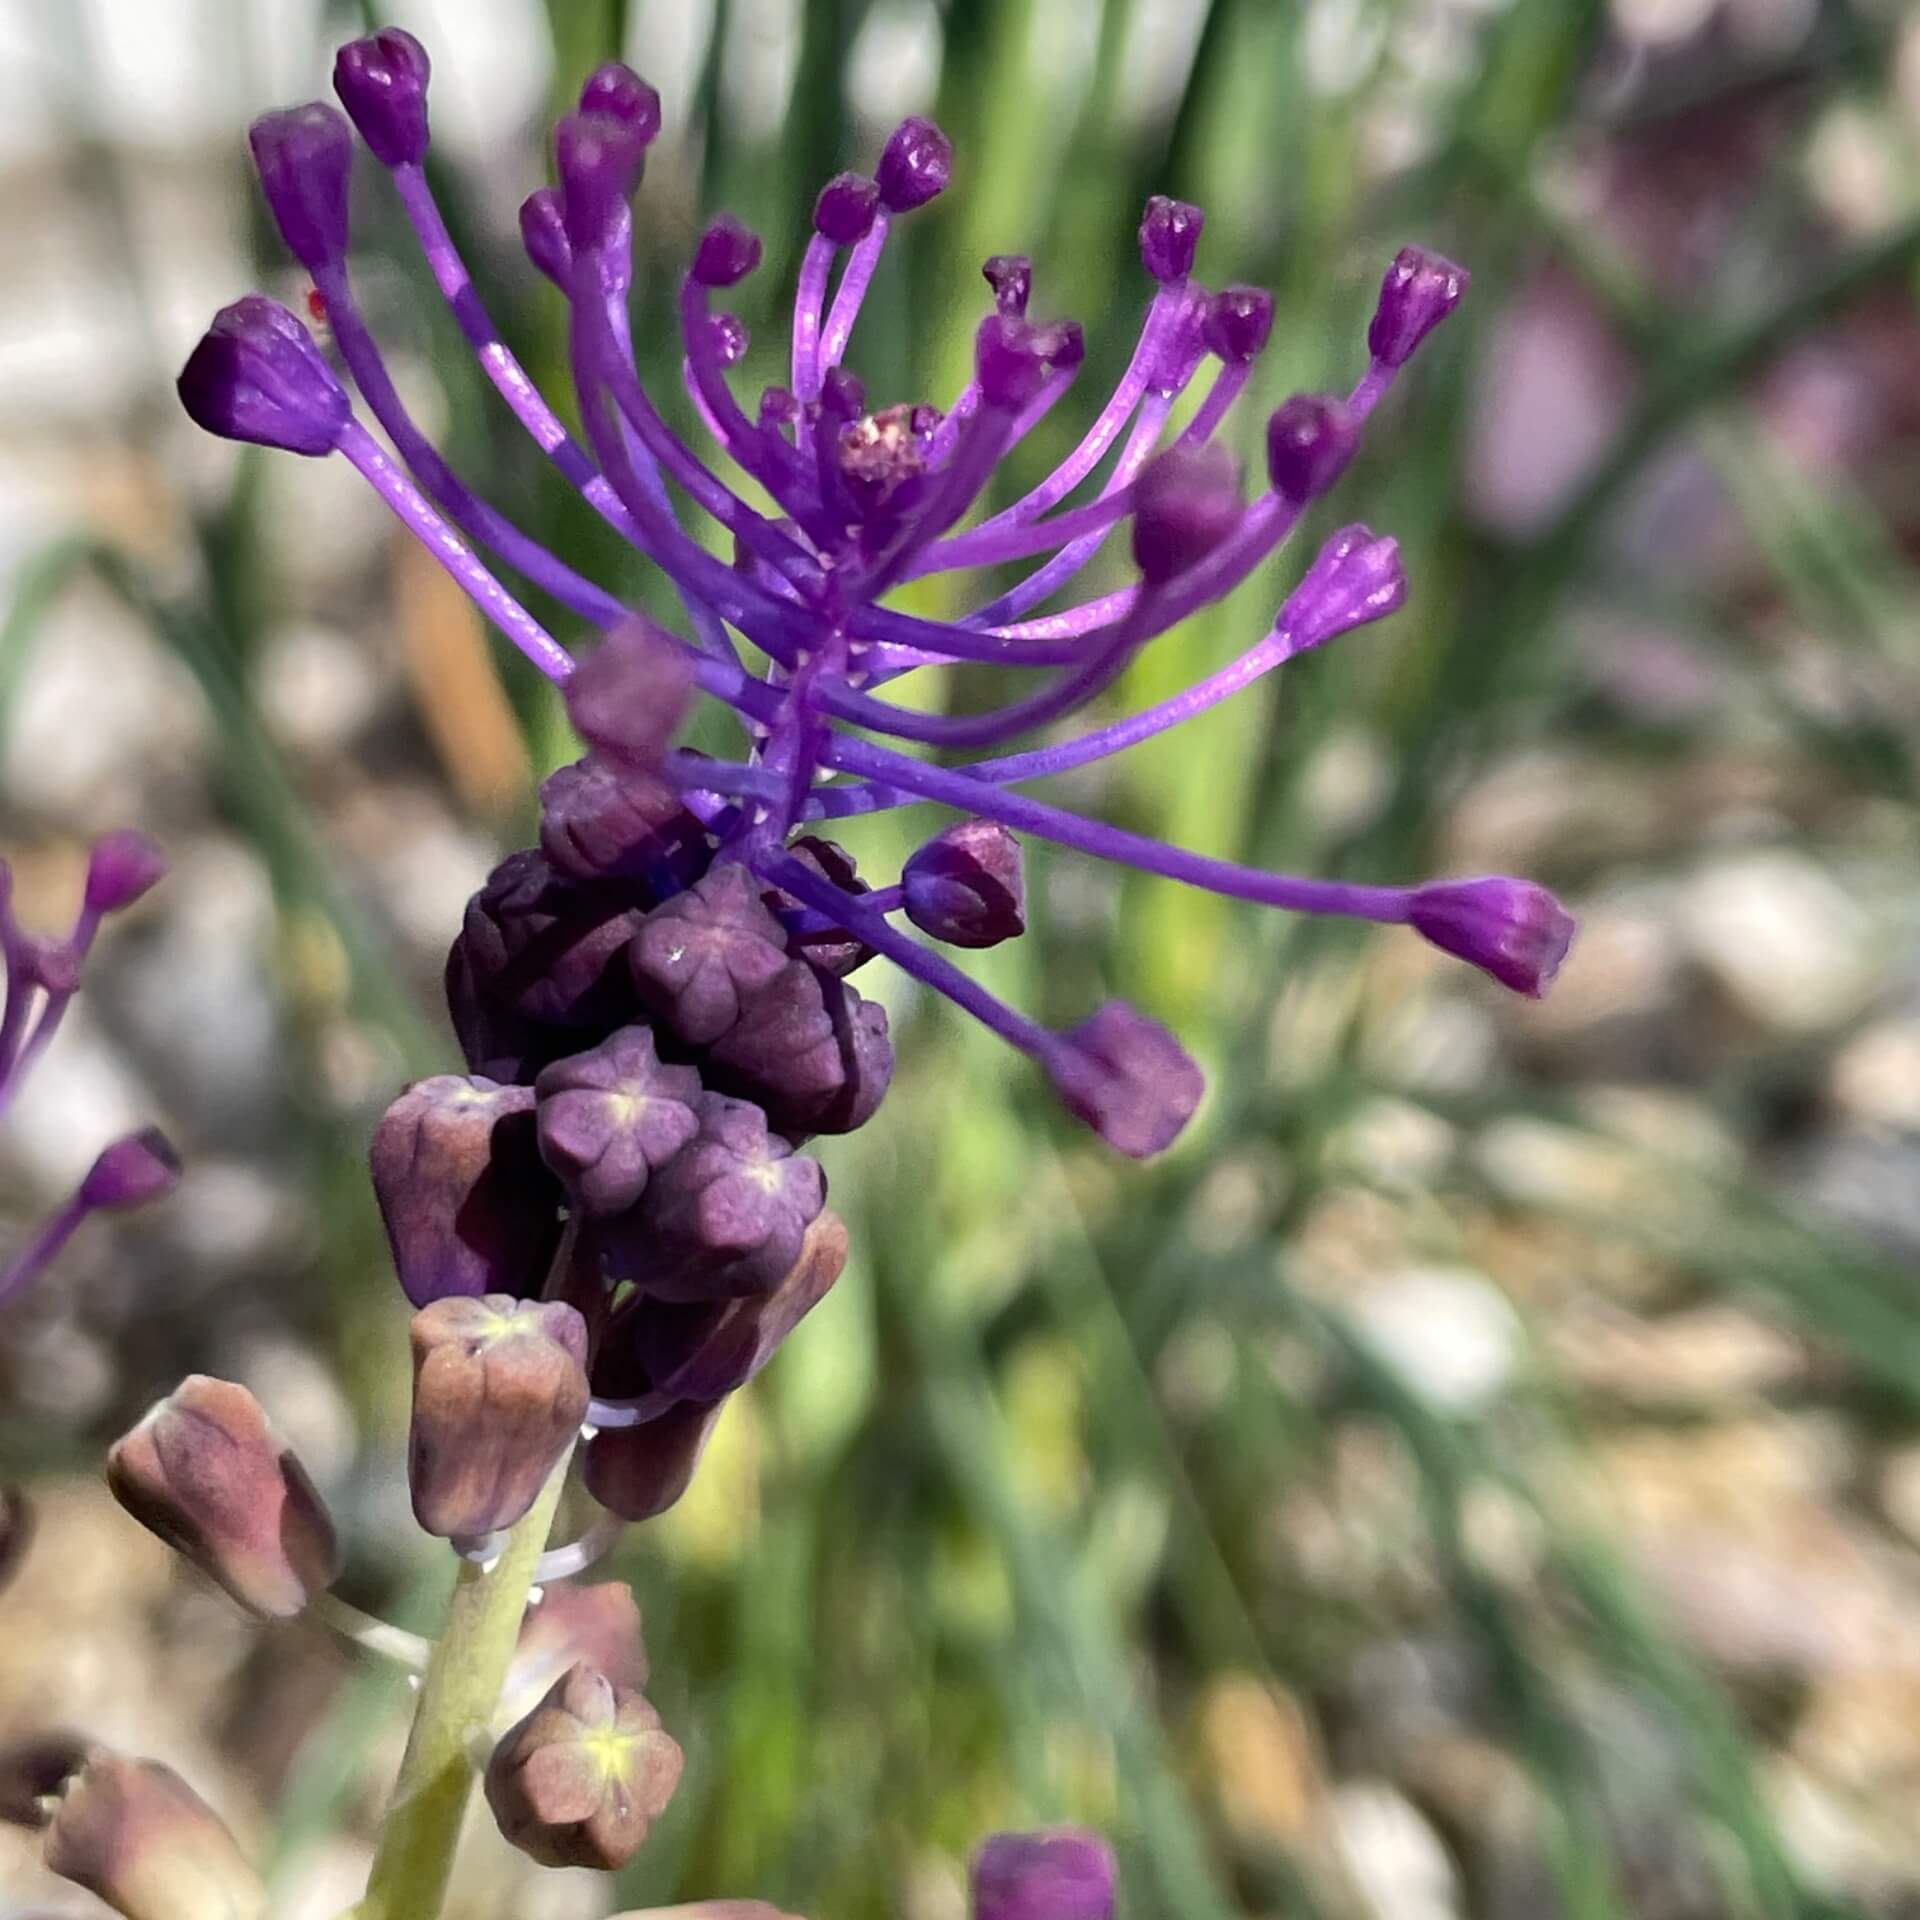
[1476, 1474]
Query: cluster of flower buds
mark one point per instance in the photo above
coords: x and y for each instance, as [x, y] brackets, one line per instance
[41, 978]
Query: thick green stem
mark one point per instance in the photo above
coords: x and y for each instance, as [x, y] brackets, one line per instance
[460, 1691]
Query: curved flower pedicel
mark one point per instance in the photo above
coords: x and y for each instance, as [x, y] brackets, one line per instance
[863, 498]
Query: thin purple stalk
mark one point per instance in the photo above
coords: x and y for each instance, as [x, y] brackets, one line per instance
[851, 292]
[41, 1250]
[808, 298]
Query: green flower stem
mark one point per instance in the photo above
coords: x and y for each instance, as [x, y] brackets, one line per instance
[460, 1691]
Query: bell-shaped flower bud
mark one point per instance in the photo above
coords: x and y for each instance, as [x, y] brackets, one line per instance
[469, 1205]
[967, 885]
[257, 376]
[630, 694]
[1185, 504]
[638, 1472]
[1013, 359]
[915, 166]
[1170, 237]
[135, 1835]
[206, 1472]
[1128, 1078]
[598, 1625]
[612, 1115]
[1512, 929]
[699, 957]
[1419, 291]
[727, 253]
[809, 1051]
[543, 233]
[305, 159]
[141, 1167]
[726, 1215]
[602, 820]
[1238, 323]
[580, 1780]
[122, 866]
[1010, 275]
[1355, 578]
[600, 163]
[614, 89]
[845, 209]
[382, 82]
[1310, 439]
[831, 949]
[16, 1529]
[1065, 1874]
[499, 1392]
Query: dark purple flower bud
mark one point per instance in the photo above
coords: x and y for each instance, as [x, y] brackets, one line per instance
[497, 1043]
[1013, 359]
[123, 865]
[305, 158]
[631, 693]
[845, 209]
[1512, 929]
[132, 1171]
[16, 1529]
[612, 1115]
[967, 886]
[726, 1215]
[580, 1780]
[698, 958]
[730, 338]
[916, 165]
[599, 819]
[778, 408]
[257, 376]
[809, 1050]
[1128, 1078]
[1355, 578]
[1066, 1874]
[1185, 504]
[136, 1835]
[618, 92]
[1170, 237]
[499, 1392]
[1310, 439]
[1238, 323]
[207, 1473]
[1419, 291]
[843, 395]
[727, 253]
[543, 232]
[468, 1203]
[638, 1472]
[1010, 275]
[831, 949]
[382, 83]
[599, 162]
[32, 1772]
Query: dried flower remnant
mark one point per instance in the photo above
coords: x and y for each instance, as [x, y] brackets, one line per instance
[866, 498]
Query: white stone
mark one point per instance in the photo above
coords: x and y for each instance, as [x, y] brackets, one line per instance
[1450, 1331]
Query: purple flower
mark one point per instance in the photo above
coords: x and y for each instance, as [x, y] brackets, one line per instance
[967, 886]
[1511, 929]
[610, 1117]
[1065, 1874]
[866, 497]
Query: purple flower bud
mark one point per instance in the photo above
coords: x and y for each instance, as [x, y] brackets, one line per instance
[967, 886]
[831, 949]
[809, 1050]
[843, 395]
[1185, 504]
[305, 158]
[730, 337]
[845, 209]
[1170, 237]
[496, 1042]
[1512, 929]
[599, 820]
[499, 1392]
[1238, 323]
[609, 1117]
[726, 1215]
[1128, 1078]
[631, 693]
[778, 408]
[916, 165]
[698, 958]
[1066, 1874]
[123, 865]
[135, 1834]
[207, 1473]
[581, 1779]
[1013, 359]
[132, 1171]
[600, 163]
[468, 1203]
[382, 83]
[1010, 275]
[256, 375]
[727, 253]
[618, 92]
[1419, 291]
[638, 1472]
[1310, 439]
[1355, 578]
[543, 232]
